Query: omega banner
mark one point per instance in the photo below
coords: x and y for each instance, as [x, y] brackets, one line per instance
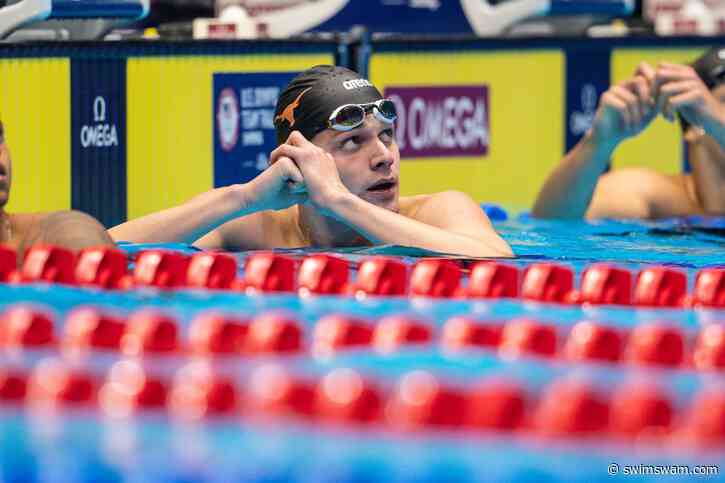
[441, 120]
[98, 131]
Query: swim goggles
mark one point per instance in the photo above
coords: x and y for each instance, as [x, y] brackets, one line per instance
[351, 116]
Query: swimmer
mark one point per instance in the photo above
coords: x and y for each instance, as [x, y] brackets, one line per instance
[579, 187]
[68, 229]
[333, 181]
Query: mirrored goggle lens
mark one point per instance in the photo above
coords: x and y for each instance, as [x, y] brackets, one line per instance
[349, 116]
[387, 109]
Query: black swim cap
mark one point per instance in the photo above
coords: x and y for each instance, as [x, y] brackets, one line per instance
[309, 99]
[711, 67]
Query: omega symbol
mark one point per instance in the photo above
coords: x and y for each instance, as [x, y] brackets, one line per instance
[99, 109]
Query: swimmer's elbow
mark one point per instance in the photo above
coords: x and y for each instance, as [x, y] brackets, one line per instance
[496, 248]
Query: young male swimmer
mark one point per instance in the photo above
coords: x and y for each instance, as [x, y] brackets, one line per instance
[69, 229]
[332, 182]
[578, 187]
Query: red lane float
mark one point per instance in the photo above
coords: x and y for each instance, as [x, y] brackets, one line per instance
[548, 282]
[420, 400]
[464, 332]
[571, 408]
[435, 278]
[8, 262]
[102, 267]
[46, 263]
[381, 276]
[323, 275]
[640, 410]
[605, 284]
[161, 268]
[493, 280]
[710, 288]
[274, 333]
[660, 287]
[496, 405]
[709, 352]
[528, 337]
[26, 326]
[90, 328]
[129, 388]
[269, 272]
[198, 393]
[211, 270]
[657, 344]
[213, 333]
[338, 332]
[272, 391]
[590, 341]
[344, 396]
[395, 331]
[148, 332]
[51, 384]
[13, 385]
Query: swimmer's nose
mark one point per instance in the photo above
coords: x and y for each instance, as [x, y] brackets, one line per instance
[382, 156]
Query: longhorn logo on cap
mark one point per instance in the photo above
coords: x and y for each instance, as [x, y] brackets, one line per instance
[288, 114]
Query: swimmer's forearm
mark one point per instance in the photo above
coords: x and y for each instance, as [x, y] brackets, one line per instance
[568, 190]
[382, 226]
[715, 128]
[708, 173]
[187, 222]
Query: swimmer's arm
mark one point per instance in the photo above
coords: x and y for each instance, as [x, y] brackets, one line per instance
[448, 222]
[74, 230]
[185, 223]
[708, 172]
[568, 190]
[273, 189]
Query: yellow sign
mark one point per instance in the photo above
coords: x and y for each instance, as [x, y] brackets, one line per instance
[170, 138]
[35, 109]
[526, 115]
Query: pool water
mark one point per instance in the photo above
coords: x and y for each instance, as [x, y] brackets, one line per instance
[85, 444]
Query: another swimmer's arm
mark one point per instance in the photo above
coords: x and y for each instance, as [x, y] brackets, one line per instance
[275, 188]
[679, 88]
[708, 172]
[624, 111]
[568, 190]
[448, 222]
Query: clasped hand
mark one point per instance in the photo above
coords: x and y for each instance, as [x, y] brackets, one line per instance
[299, 172]
[627, 108]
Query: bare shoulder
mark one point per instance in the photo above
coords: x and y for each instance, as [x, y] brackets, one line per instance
[70, 229]
[640, 193]
[444, 204]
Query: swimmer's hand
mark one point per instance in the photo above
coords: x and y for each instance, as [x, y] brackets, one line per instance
[279, 186]
[625, 109]
[679, 89]
[318, 168]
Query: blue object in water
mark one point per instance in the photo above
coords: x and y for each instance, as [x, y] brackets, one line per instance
[495, 212]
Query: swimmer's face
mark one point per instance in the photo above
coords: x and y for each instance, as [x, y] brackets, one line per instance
[5, 168]
[368, 160]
